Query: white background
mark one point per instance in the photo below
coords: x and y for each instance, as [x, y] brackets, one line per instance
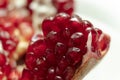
[106, 15]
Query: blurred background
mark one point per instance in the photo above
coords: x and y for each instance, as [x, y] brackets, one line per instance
[103, 10]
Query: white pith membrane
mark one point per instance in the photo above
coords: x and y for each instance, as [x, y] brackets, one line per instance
[90, 59]
[90, 53]
[1, 47]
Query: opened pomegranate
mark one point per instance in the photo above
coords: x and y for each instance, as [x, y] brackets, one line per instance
[57, 55]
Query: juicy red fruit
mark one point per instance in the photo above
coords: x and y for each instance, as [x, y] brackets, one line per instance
[61, 51]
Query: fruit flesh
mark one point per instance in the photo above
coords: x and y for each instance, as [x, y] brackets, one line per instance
[66, 40]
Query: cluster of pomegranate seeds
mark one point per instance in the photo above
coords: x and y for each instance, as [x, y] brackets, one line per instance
[7, 70]
[58, 54]
[66, 6]
[7, 38]
[15, 27]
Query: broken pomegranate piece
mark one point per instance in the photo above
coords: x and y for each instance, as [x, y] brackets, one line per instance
[67, 44]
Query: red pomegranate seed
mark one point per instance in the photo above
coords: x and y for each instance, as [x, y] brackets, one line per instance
[7, 26]
[51, 73]
[87, 24]
[30, 61]
[7, 69]
[49, 25]
[68, 73]
[62, 65]
[38, 47]
[77, 39]
[60, 49]
[61, 18]
[2, 59]
[58, 78]
[74, 55]
[10, 44]
[50, 57]
[27, 75]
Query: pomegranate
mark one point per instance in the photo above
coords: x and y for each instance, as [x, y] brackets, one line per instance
[66, 42]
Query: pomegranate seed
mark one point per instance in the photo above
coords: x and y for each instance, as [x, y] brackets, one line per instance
[30, 61]
[51, 73]
[66, 33]
[78, 40]
[74, 55]
[38, 48]
[50, 57]
[2, 59]
[9, 44]
[61, 18]
[62, 65]
[26, 75]
[58, 78]
[7, 69]
[68, 73]
[87, 24]
[53, 38]
[48, 26]
[60, 49]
